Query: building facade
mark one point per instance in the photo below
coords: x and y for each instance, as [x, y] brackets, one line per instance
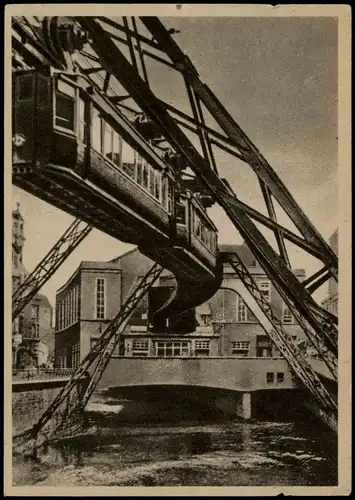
[32, 330]
[331, 302]
[91, 298]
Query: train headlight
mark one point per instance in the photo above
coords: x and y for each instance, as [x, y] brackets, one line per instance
[18, 140]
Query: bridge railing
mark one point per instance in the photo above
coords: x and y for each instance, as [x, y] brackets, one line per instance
[31, 374]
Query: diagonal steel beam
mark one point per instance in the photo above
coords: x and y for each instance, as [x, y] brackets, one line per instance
[110, 335]
[258, 163]
[246, 287]
[274, 266]
[66, 244]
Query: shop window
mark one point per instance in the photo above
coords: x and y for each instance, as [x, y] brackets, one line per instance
[168, 349]
[240, 349]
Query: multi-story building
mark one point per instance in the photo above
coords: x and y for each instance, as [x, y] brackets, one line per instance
[225, 327]
[331, 302]
[32, 331]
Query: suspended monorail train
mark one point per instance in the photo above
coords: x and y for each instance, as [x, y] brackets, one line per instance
[72, 149]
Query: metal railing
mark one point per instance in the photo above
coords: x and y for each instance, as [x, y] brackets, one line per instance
[42, 374]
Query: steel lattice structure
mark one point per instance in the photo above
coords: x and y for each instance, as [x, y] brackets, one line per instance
[116, 61]
[261, 308]
[66, 244]
[100, 352]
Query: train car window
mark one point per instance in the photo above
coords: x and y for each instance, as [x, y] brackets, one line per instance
[43, 91]
[96, 130]
[81, 119]
[25, 88]
[145, 175]
[108, 141]
[157, 193]
[139, 166]
[116, 148]
[170, 197]
[164, 189]
[181, 212]
[198, 226]
[151, 181]
[65, 112]
[128, 154]
[129, 169]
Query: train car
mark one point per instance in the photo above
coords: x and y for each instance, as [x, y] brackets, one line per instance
[69, 150]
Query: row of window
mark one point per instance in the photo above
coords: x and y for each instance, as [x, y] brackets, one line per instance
[270, 377]
[179, 348]
[232, 309]
[203, 232]
[173, 348]
[100, 294]
[68, 309]
[107, 141]
[165, 349]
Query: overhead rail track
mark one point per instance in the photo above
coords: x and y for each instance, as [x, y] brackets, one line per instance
[123, 84]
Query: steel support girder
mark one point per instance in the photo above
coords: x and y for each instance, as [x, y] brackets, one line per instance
[135, 296]
[248, 290]
[66, 244]
[115, 62]
[320, 344]
[257, 162]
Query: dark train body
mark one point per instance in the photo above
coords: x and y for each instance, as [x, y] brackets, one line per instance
[70, 152]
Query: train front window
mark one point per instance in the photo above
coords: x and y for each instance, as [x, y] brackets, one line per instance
[65, 112]
[43, 94]
[25, 88]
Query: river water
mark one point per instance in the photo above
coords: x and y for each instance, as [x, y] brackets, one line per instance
[203, 453]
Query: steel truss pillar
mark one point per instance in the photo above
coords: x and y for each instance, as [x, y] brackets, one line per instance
[101, 352]
[67, 243]
[248, 290]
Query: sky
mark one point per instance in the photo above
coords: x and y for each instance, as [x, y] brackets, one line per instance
[278, 79]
